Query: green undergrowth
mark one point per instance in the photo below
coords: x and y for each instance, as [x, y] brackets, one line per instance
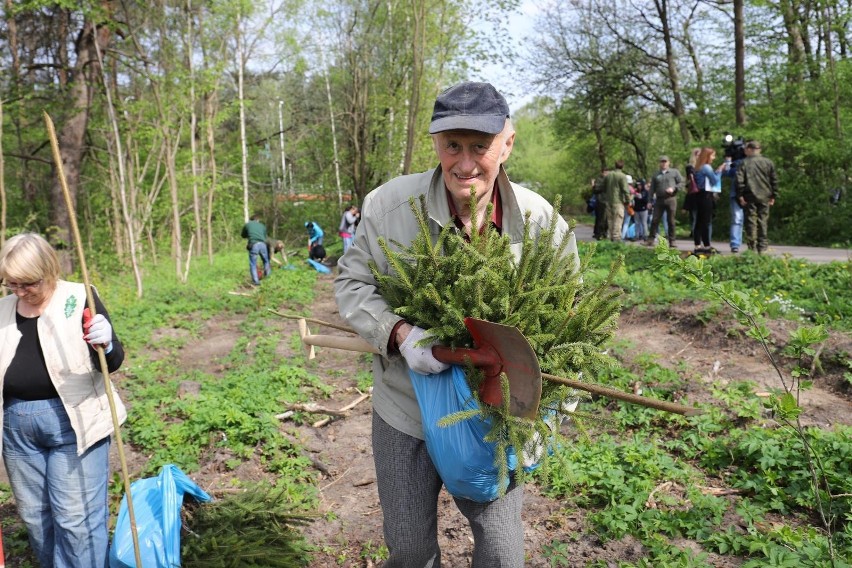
[745, 482]
[734, 481]
[232, 417]
[790, 288]
[655, 476]
[235, 408]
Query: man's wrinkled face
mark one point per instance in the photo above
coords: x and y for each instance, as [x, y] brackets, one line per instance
[471, 158]
[664, 165]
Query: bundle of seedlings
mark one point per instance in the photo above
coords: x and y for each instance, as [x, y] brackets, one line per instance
[435, 285]
[254, 527]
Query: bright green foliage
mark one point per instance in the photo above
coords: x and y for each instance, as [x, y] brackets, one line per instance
[435, 285]
[787, 288]
[771, 465]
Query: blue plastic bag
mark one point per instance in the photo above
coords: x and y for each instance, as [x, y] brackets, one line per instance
[463, 459]
[156, 506]
[319, 267]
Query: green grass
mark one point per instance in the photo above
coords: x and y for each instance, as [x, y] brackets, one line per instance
[791, 288]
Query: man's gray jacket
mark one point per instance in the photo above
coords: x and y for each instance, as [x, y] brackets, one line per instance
[386, 212]
[663, 180]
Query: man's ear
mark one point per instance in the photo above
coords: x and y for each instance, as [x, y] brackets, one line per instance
[508, 145]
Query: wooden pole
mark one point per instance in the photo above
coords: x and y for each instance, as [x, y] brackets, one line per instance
[360, 345]
[90, 301]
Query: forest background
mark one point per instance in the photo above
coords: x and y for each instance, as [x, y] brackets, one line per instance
[178, 119]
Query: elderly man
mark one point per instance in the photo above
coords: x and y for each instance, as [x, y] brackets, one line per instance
[472, 137]
[664, 186]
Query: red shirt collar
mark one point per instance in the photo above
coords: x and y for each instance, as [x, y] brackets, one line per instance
[496, 213]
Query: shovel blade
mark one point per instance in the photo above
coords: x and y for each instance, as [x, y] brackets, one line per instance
[518, 361]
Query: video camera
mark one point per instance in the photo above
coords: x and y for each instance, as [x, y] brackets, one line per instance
[734, 147]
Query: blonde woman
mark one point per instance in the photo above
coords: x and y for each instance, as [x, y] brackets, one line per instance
[56, 417]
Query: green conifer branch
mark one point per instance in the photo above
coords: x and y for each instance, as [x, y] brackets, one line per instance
[441, 278]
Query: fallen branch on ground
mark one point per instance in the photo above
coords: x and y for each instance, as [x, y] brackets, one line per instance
[315, 408]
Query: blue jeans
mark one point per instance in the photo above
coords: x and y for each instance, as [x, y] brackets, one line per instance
[347, 242]
[61, 497]
[259, 248]
[641, 218]
[736, 224]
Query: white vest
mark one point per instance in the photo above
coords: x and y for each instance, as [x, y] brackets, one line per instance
[79, 383]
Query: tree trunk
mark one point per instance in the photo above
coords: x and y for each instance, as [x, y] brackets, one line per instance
[832, 71]
[241, 62]
[193, 127]
[673, 77]
[418, 47]
[118, 154]
[2, 186]
[739, 63]
[333, 128]
[795, 49]
[210, 104]
[72, 135]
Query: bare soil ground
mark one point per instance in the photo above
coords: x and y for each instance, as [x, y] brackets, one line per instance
[349, 532]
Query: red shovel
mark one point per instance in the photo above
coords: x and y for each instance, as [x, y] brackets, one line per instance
[500, 349]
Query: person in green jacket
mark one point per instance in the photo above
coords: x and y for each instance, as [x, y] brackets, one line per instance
[664, 187]
[616, 197]
[255, 232]
[757, 188]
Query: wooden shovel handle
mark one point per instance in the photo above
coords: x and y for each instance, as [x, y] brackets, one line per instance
[340, 342]
[625, 396]
[362, 346]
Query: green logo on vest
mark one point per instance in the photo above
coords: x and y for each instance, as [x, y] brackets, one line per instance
[70, 305]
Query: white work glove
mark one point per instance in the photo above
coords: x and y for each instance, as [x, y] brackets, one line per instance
[420, 359]
[98, 332]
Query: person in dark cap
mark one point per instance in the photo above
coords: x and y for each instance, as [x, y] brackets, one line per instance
[473, 137]
[664, 187]
[757, 188]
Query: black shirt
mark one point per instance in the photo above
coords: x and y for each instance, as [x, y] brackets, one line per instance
[27, 377]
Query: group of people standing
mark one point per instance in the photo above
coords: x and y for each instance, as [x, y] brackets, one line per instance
[622, 208]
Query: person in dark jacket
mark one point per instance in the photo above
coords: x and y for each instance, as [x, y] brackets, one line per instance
[255, 232]
[600, 230]
[664, 185]
[757, 188]
[641, 204]
[705, 200]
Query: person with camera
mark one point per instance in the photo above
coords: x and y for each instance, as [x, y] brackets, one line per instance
[757, 188]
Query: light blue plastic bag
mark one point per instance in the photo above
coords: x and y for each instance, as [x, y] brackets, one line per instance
[463, 459]
[320, 267]
[156, 507]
